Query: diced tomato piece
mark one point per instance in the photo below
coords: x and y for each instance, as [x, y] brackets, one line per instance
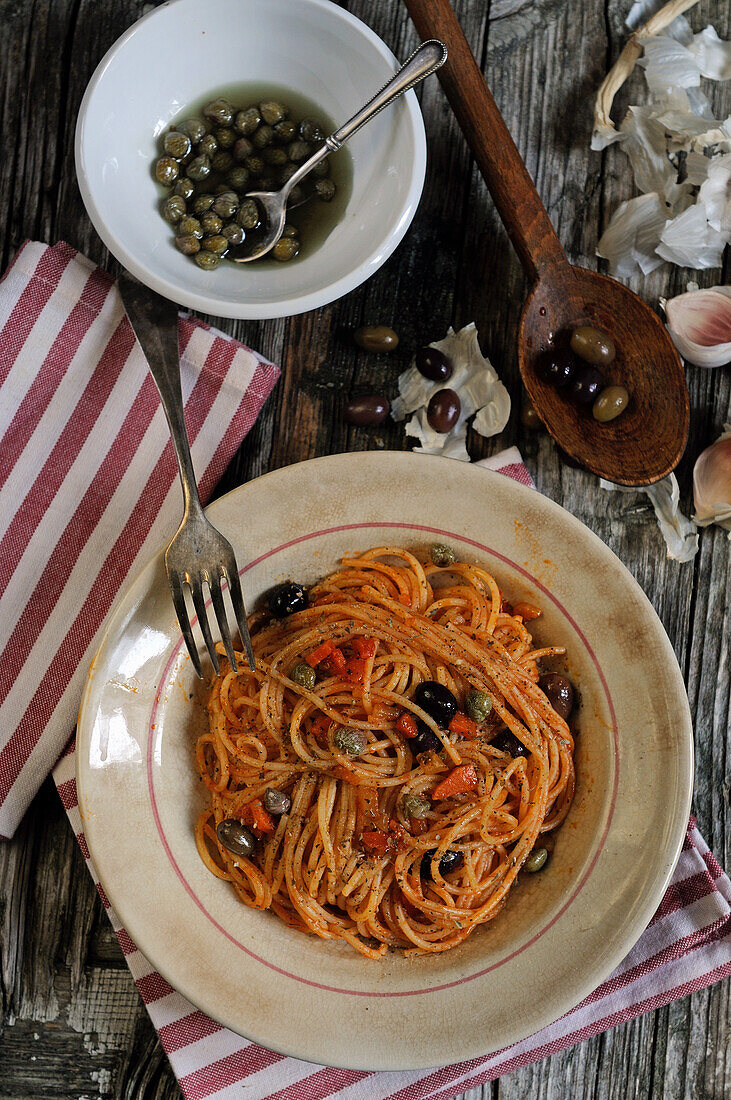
[461, 779]
[335, 663]
[527, 611]
[418, 825]
[354, 671]
[407, 725]
[375, 840]
[319, 654]
[254, 814]
[320, 726]
[396, 837]
[364, 647]
[461, 723]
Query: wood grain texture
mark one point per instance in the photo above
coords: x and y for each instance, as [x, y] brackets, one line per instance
[73, 1025]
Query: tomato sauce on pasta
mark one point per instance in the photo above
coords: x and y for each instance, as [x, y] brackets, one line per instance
[389, 827]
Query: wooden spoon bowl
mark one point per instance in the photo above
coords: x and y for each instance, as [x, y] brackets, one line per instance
[647, 440]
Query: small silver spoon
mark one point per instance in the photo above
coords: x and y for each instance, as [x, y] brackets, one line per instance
[273, 204]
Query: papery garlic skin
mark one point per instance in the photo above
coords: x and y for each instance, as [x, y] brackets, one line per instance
[712, 483]
[699, 323]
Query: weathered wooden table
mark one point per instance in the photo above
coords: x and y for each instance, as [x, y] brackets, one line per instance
[73, 1025]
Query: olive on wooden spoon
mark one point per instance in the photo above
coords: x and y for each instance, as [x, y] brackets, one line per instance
[646, 442]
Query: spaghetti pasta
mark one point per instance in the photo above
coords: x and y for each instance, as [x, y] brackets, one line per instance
[383, 846]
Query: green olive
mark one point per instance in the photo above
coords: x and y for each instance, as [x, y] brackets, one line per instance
[234, 234]
[190, 227]
[215, 243]
[536, 861]
[173, 209]
[477, 704]
[201, 203]
[176, 144]
[611, 403]
[185, 188]
[242, 149]
[325, 190]
[264, 136]
[167, 171]
[226, 204]
[593, 345]
[207, 146]
[311, 131]
[247, 121]
[285, 249]
[529, 418]
[351, 742]
[188, 244]
[376, 338]
[248, 215]
[303, 675]
[290, 231]
[219, 111]
[209, 261]
[442, 554]
[272, 112]
[210, 223]
[199, 168]
[193, 128]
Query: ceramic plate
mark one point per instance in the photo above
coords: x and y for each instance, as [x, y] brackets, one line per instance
[561, 933]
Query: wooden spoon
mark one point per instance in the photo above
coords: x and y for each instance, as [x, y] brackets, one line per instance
[647, 441]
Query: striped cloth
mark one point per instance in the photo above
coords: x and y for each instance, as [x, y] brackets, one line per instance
[686, 948]
[88, 483]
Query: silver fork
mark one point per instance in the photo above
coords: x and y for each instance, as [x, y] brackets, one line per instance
[198, 554]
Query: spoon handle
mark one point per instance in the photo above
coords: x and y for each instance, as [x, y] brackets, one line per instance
[514, 194]
[423, 61]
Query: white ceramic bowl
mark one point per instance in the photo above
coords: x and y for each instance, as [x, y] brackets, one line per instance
[176, 55]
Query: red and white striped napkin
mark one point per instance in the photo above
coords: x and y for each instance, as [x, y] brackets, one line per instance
[88, 483]
[686, 948]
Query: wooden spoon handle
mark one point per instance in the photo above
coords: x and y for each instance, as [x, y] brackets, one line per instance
[495, 152]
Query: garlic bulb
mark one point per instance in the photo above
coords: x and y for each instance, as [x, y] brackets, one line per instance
[699, 323]
[712, 483]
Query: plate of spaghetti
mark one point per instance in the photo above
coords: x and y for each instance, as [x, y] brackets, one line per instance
[442, 807]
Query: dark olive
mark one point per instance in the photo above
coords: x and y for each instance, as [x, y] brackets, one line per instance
[450, 861]
[426, 740]
[443, 410]
[433, 364]
[221, 162]
[276, 157]
[285, 131]
[167, 171]
[529, 418]
[369, 408]
[238, 177]
[248, 215]
[298, 150]
[202, 203]
[247, 121]
[226, 204]
[236, 837]
[272, 111]
[234, 234]
[173, 209]
[287, 598]
[560, 693]
[226, 138]
[437, 701]
[322, 168]
[586, 385]
[264, 136]
[219, 111]
[185, 188]
[557, 366]
[593, 345]
[375, 338]
[255, 165]
[508, 742]
[199, 168]
[276, 802]
[176, 144]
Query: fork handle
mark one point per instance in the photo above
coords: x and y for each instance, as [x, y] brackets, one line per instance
[154, 320]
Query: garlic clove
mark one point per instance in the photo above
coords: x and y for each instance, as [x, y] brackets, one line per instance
[712, 483]
[699, 323]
